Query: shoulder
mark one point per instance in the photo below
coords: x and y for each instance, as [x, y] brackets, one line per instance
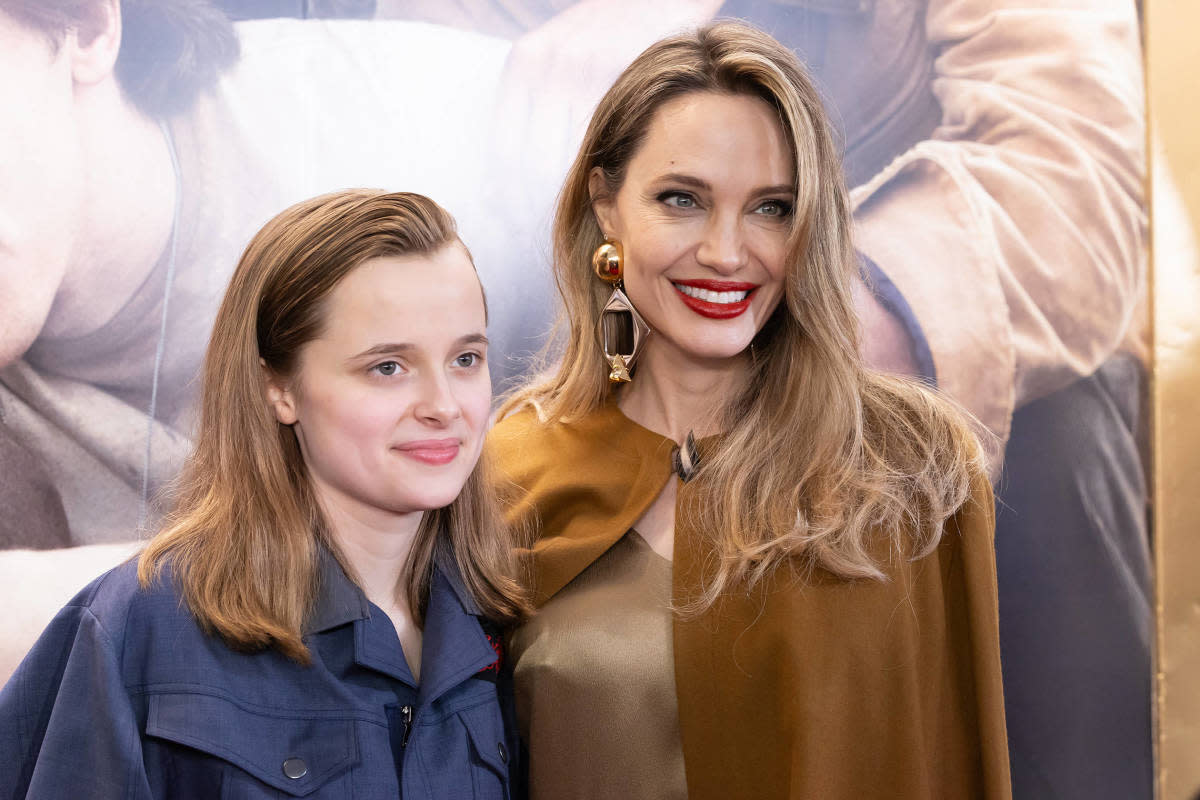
[525, 452]
[522, 444]
[918, 543]
[92, 636]
[601, 449]
[929, 455]
[516, 436]
[972, 526]
[603, 433]
[108, 598]
[964, 554]
[975, 516]
[123, 609]
[576, 486]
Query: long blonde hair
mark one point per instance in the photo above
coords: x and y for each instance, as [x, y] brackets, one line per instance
[243, 539]
[819, 451]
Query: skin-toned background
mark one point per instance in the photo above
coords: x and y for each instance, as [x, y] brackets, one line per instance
[1173, 86]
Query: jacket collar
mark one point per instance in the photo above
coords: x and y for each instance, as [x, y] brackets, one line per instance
[445, 565]
[584, 483]
[454, 646]
[339, 600]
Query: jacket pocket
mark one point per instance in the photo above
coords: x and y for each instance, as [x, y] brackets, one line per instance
[297, 754]
[490, 756]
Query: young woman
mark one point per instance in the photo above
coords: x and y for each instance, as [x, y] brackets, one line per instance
[763, 570]
[319, 615]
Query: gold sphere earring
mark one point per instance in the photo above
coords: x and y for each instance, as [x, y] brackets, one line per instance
[607, 261]
[621, 329]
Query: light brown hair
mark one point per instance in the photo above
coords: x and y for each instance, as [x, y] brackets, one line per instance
[821, 456]
[243, 540]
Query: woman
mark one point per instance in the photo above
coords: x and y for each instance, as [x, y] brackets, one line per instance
[763, 570]
[319, 615]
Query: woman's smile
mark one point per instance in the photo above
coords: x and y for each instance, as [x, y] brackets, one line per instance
[715, 299]
[434, 452]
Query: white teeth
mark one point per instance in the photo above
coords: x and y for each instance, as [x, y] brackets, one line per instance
[711, 297]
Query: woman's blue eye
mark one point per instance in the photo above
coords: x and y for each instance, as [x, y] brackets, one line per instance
[387, 368]
[678, 199]
[774, 208]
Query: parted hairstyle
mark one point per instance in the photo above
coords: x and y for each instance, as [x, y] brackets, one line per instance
[244, 538]
[822, 459]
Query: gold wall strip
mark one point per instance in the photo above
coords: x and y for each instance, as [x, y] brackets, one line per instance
[1173, 81]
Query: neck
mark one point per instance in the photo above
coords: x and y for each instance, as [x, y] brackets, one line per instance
[672, 393]
[128, 213]
[375, 545]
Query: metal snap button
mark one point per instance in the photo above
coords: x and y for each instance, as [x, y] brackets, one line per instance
[503, 751]
[295, 768]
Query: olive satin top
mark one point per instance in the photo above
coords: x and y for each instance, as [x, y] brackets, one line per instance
[595, 682]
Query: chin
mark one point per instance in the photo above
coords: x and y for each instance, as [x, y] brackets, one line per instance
[716, 351]
[432, 498]
[708, 342]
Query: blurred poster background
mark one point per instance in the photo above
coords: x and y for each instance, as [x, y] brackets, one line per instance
[996, 150]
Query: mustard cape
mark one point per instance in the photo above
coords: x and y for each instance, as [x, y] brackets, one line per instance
[819, 688]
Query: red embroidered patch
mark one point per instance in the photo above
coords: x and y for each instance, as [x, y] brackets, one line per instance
[496, 645]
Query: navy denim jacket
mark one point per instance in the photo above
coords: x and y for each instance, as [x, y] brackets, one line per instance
[124, 696]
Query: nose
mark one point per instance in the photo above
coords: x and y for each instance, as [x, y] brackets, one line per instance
[437, 404]
[723, 247]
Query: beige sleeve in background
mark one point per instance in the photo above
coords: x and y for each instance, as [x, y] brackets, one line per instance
[38, 583]
[1016, 231]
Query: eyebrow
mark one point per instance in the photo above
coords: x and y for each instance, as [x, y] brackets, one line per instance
[700, 183]
[400, 348]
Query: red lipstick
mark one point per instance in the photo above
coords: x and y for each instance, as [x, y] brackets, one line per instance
[709, 309]
[434, 452]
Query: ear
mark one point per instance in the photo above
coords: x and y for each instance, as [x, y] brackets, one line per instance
[93, 48]
[279, 395]
[603, 203]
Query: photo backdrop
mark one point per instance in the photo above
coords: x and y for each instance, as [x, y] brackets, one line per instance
[995, 150]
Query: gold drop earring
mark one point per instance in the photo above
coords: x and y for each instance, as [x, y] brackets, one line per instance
[621, 329]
